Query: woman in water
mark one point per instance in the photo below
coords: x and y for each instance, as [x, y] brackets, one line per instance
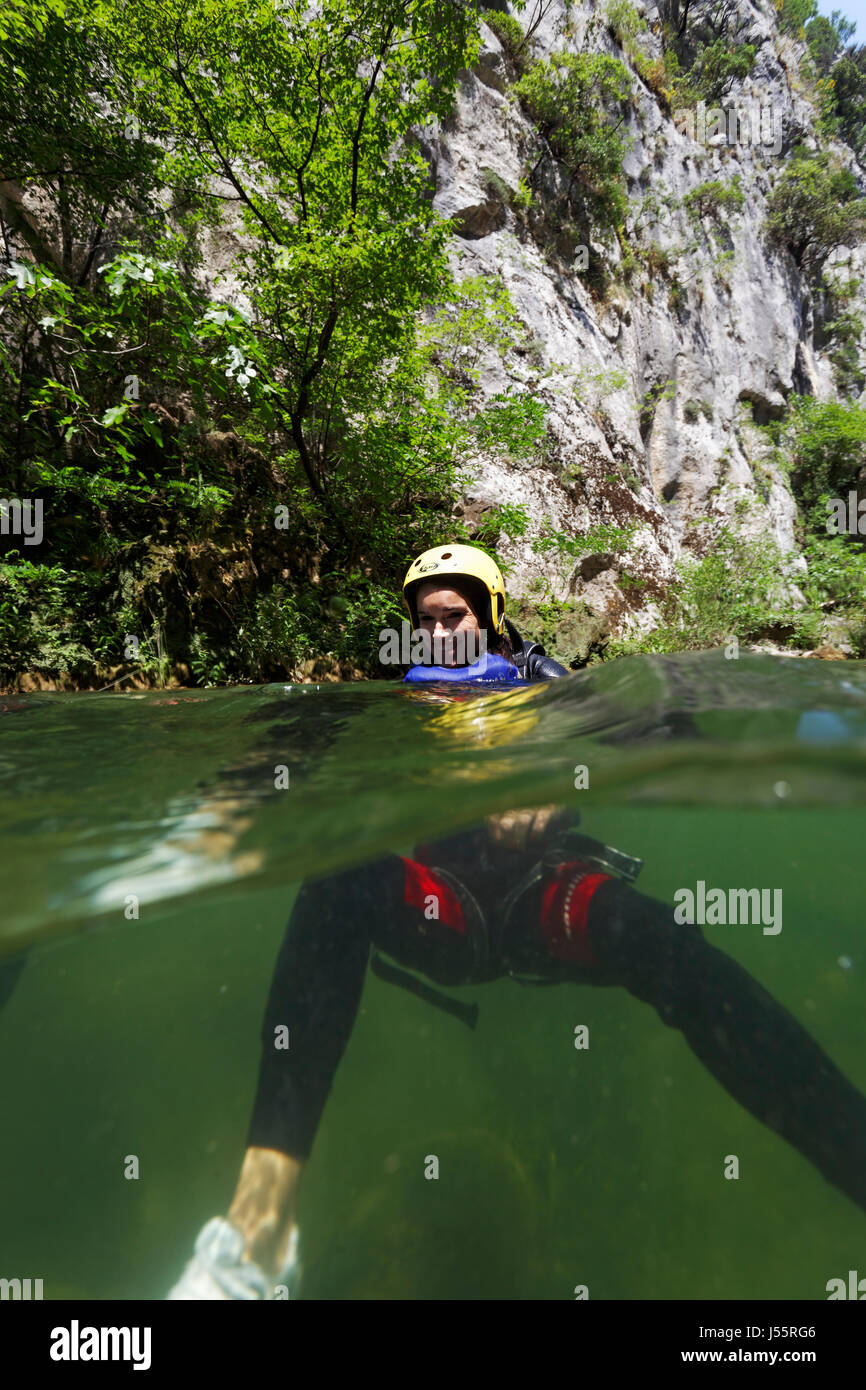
[521, 896]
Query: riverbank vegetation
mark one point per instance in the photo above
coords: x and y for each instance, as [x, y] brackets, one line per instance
[224, 466]
[730, 585]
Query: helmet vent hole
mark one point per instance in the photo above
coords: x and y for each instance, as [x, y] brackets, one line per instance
[446, 555]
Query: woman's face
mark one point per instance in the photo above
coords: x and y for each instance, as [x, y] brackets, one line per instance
[443, 613]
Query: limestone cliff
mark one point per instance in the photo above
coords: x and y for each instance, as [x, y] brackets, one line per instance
[646, 382]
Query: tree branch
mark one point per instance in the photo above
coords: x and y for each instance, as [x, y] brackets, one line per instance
[365, 104]
[178, 77]
[94, 245]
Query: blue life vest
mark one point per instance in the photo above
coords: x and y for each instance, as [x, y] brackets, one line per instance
[489, 668]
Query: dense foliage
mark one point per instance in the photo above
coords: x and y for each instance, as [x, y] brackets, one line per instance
[195, 454]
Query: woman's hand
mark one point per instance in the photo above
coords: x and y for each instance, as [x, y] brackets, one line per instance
[263, 1209]
[523, 830]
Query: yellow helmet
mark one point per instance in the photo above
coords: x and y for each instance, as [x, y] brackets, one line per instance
[467, 561]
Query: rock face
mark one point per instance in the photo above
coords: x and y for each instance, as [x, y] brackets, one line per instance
[647, 387]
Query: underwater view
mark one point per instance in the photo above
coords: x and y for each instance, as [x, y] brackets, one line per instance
[683, 1116]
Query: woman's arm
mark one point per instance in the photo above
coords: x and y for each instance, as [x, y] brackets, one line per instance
[264, 1205]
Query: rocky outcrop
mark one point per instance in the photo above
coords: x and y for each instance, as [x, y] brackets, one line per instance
[652, 387]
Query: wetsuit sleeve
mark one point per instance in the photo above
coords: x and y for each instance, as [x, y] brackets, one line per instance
[544, 668]
[319, 978]
[312, 1004]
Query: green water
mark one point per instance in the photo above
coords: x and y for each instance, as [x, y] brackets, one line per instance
[558, 1167]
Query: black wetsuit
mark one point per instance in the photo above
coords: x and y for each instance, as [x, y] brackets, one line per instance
[500, 913]
[530, 658]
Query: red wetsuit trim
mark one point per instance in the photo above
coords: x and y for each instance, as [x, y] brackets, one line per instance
[420, 885]
[564, 910]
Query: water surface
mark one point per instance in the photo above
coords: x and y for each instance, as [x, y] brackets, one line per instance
[558, 1167]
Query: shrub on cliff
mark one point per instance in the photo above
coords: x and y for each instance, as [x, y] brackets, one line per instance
[822, 446]
[718, 66]
[706, 50]
[625, 24]
[736, 588]
[510, 34]
[576, 100]
[814, 208]
[793, 14]
[848, 77]
[714, 198]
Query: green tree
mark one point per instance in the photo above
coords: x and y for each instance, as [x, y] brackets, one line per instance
[718, 66]
[824, 446]
[163, 427]
[706, 49]
[794, 14]
[734, 587]
[825, 37]
[308, 118]
[849, 93]
[20, 17]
